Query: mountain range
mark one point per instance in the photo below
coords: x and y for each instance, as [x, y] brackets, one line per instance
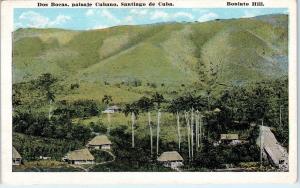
[172, 54]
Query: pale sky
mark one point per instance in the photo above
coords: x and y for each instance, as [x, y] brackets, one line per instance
[96, 18]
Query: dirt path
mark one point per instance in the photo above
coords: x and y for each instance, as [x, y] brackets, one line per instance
[80, 167]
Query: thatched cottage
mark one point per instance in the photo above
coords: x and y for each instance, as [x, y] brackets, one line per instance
[99, 142]
[171, 159]
[272, 150]
[82, 156]
[16, 157]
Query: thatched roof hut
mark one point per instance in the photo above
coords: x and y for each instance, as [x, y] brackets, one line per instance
[16, 157]
[99, 140]
[15, 154]
[80, 155]
[275, 152]
[170, 156]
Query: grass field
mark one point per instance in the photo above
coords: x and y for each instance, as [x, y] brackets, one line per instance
[168, 126]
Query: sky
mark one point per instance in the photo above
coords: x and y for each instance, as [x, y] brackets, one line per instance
[85, 19]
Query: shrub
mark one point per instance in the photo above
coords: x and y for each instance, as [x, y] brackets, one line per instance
[73, 86]
[98, 128]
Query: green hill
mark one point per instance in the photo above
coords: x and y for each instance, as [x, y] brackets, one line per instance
[172, 54]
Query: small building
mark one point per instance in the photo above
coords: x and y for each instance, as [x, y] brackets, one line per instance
[237, 142]
[232, 139]
[272, 151]
[16, 157]
[99, 142]
[171, 159]
[44, 158]
[112, 109]
[229, 137]
[81, 156]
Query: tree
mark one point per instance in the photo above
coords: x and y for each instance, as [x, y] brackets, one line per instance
[158, 99]
[178, 130]
[107, 99]
[81, 132]
[188, 103]
[157, 131]
[188, 132]
[47, 131]
[45, 82]
[133, 110]
[192, 133]
[98, 128]
[176, 106]
[146, 104]
[209, 74]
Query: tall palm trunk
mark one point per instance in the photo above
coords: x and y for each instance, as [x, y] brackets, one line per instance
[197, 130]
[50, 109]
[261, 142]
[151, 134]
[188, 133]
[200, 131]
[157, 132]
[132, 128]
[208, 102]
[192, 133]
[109, 122]
[178, 130]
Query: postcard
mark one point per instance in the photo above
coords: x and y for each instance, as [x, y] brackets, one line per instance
[148, 92]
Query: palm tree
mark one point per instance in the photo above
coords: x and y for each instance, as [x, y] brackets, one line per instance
[175, 107]
[107, 99]
[158, 99]
[133, 110]
[188, 132]
[50, 98]
[178, 130]
[132, 128]
[197, 129]
[192, 133]
[146, 104]
[187, 103]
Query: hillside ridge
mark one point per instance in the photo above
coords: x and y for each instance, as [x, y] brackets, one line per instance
[250, 48]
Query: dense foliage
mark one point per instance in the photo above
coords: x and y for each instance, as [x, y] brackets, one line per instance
[265, 101]
[57, 127]
[32, 147]
[79, 108]
[239, 109]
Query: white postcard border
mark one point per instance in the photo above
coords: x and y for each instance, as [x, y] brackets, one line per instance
[78, 178]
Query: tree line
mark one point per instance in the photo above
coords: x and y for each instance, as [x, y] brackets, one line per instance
[204, 116]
